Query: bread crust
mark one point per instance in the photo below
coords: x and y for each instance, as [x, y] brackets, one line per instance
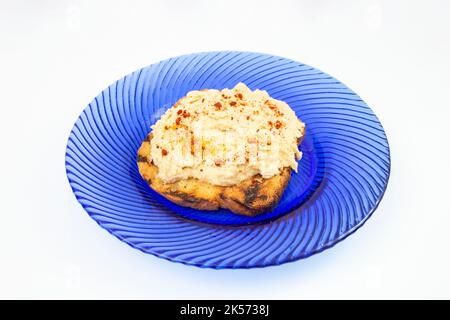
[250, 197]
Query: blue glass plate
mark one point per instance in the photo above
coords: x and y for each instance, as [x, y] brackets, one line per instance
[341, 178]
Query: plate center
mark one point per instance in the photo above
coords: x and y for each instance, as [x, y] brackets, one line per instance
[301, 186]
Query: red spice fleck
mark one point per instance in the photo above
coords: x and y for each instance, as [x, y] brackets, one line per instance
[186, 114]
[278, 124]
[218, 162]
[218, 105]
[248, 117]
[239, 95]
[178, 121]
[166, 127]
[270, 123]
[180, 111]
[224, 96]
[164, 152]
[233, 103]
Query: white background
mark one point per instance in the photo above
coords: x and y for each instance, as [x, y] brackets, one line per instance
[57, 55]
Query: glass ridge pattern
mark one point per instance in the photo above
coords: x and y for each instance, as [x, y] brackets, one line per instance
[341, 178]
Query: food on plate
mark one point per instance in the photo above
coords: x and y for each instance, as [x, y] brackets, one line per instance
[231, 148]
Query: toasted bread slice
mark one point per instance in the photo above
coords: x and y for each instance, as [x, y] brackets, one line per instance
[249, 197]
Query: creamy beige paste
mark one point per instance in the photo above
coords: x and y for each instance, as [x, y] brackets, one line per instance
[224, 137]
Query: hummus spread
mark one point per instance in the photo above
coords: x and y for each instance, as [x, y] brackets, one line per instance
[225, 136]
